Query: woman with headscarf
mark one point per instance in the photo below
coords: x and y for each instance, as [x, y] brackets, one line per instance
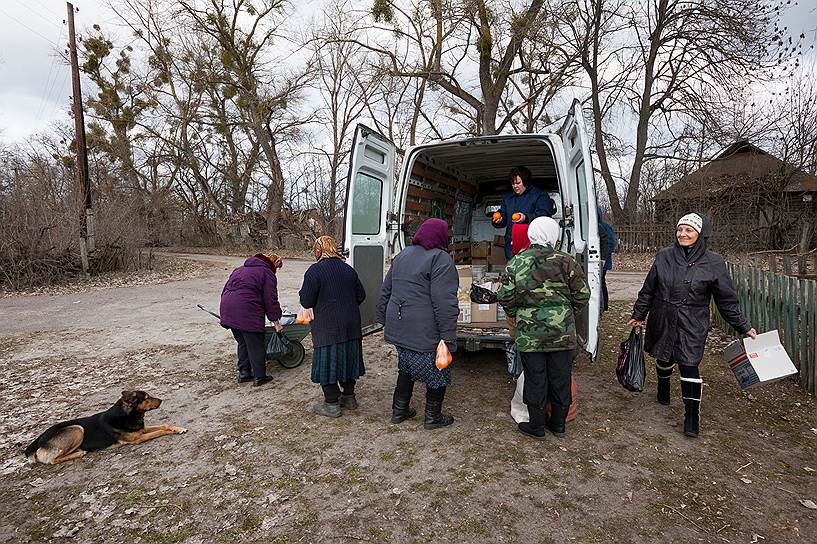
[249, 294]
[541, 290]
[676, 296]
[418, 308]
[332, 288]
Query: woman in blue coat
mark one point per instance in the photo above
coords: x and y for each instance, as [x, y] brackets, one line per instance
[525, 199]
[333, 289]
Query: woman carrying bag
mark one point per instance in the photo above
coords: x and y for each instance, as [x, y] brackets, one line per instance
[333, 289]
[418, 308]
[676, 296]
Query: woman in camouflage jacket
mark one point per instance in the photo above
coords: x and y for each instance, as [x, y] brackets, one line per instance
[541, 291]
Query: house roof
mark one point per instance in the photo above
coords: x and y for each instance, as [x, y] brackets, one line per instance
[742, 164]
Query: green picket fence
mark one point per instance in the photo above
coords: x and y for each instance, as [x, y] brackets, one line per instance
[786, 303]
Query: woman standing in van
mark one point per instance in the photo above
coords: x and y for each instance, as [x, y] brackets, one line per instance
[418, 308]
[333, 289]
[522, 205]
[541, 290]
[676, 295]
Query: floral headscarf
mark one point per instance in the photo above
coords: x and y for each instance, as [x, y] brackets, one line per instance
[325, 247]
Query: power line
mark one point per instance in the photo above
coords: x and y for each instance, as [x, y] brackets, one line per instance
[49, 89]
[22, 24]
[38, 14]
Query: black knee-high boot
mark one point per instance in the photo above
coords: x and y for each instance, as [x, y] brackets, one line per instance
[663, 370]
[400, 409]
[434, 406]
[691, 389]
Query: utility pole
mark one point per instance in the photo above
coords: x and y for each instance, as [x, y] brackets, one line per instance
[86, 214]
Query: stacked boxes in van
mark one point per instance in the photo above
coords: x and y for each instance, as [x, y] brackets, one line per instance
[483, 314]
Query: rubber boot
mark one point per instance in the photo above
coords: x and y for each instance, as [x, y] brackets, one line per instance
[434, 405]
[328, 409]
[400, 408]
[664, 372]
[556, 422]
[535, 428]
[691, 392]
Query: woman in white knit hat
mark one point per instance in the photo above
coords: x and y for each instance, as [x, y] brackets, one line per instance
[676, 296]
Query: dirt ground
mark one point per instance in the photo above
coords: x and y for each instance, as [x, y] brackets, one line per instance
[257, 466]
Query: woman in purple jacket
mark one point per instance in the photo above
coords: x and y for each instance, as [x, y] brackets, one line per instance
[251, 292]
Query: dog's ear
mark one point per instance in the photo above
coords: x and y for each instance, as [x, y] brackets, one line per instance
[129, 399]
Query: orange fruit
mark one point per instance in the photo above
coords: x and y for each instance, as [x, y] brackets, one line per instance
[516, 216]
[497, 216]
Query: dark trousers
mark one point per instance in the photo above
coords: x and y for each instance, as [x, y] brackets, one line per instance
[687, 371]
[331, 392]
[605, 298]
[252, 353]
[547, 378]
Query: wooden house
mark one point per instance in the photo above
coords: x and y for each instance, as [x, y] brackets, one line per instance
[756, 200]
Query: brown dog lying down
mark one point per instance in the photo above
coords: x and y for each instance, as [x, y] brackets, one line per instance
[122, 423]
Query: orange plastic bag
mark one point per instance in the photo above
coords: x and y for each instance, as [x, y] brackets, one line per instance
[444, 356]
[304, 317]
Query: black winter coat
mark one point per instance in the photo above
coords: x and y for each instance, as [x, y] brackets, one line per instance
[677, 295]
[333, 289]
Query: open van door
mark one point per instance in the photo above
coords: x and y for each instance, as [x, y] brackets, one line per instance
[368, 201]
[586, 243]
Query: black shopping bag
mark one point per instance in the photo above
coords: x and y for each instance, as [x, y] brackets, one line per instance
[630, 369]
[278, 347]
[514, 360]
[481, 295]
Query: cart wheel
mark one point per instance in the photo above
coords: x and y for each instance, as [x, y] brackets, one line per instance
[296, 357]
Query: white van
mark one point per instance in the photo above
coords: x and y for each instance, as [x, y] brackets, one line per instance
[461, 181]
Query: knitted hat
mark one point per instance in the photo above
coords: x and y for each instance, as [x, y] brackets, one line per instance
[692, 220]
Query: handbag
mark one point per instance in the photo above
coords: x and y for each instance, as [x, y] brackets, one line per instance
[630, 369]
[481, 295]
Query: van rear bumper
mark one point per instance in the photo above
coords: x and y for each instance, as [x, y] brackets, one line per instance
[476, 339]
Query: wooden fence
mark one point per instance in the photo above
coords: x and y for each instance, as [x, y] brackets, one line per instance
[783, 302]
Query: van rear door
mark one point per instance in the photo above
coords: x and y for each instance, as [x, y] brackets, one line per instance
[368, 201]
[586, 229]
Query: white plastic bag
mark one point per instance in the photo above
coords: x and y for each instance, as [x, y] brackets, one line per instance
[519, 410]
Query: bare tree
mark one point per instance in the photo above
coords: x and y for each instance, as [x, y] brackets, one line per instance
[672, 55]
[244, 32]
[470, 51]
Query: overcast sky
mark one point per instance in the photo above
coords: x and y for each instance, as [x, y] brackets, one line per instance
[35, 85]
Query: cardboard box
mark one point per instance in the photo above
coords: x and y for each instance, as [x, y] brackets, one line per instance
[478, 272]
[499, 241]
[496, 256]
[763, 360]
[480, 250]
[483, 313]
